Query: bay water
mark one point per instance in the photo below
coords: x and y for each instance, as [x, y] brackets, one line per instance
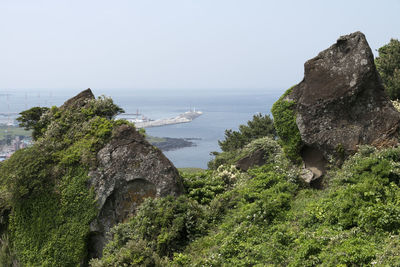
[222, 109]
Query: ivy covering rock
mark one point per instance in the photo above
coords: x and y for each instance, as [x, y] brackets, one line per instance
[51, 191]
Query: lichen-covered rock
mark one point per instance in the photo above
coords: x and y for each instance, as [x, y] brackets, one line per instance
[341, 102]
[256, 158]
[79, 100]
[129, 170]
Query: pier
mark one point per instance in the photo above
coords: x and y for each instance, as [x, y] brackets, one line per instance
[182, 118]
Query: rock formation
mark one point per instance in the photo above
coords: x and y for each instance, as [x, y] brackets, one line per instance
[341, 103]
[257, 158]
[79, 100]
[129, 170]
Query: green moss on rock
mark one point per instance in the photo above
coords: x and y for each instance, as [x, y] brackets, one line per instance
[46, 185]
[270, 148]
[284, 114]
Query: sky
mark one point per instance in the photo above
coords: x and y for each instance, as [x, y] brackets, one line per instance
[177, 44]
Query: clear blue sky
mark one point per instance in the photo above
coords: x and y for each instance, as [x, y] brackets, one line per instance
[184, 44]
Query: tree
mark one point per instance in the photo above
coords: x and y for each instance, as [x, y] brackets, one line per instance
[30, 120]
[388, 66]
[260, 126]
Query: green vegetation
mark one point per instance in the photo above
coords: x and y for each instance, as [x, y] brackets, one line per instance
[388, 65]
[270, 148]
[190, 170]
[263, 217]
[259, 126]
[396, 105]
[30, 120]
[228, 211]
[161, 227]
[238, 144]
[286, 127]
[267, 216]
[7, 255]
[45, 185]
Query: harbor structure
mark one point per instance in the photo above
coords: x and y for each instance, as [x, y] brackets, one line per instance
[181, 118]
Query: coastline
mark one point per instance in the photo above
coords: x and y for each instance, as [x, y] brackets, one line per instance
[170, 144]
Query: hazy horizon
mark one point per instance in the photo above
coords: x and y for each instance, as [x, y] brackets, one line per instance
[180, 45]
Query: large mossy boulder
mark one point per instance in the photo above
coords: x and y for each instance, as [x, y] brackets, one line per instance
[129, 170]
[339, 105]
[85, 173]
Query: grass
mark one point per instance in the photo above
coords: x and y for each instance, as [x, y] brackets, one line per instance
[13, 131]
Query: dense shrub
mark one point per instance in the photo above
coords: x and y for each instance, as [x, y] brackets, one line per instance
[264, 218]
[231, 223]
[160, 228]
[358, 212]
[270, 147]
[203, 187]
[286, 127]
[31, 120]
[259, 126]
[46, 184]
[226, 218]
[389, 255]
[242, 235]
[368, 192]
[388, 65]
[7, 253]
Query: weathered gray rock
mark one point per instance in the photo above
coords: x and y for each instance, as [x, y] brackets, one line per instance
[257, 158]
[79, 100]
[341, 103]
[129, 170]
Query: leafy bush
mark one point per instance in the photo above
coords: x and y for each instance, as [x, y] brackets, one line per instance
[160, 228]
[367, 194]
[242, 236]
[46, 184]
[389, 255]
[133, 253]
[259, 126]
[396, 105]
[205, 186]
[31, 120]
[388, 65]
[101, 107]
[357, 214]
[263, 218]
[229, 228]
[7, 253]
[286, 127]
[227, 218]
[271, 149]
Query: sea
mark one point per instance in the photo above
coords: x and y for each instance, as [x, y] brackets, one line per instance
[222, 109]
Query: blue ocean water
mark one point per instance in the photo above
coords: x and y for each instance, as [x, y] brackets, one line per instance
[222, 109]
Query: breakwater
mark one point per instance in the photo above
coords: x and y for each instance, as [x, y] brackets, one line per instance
[182, 118]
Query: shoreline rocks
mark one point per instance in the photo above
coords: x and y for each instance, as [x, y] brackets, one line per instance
[169, 144]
